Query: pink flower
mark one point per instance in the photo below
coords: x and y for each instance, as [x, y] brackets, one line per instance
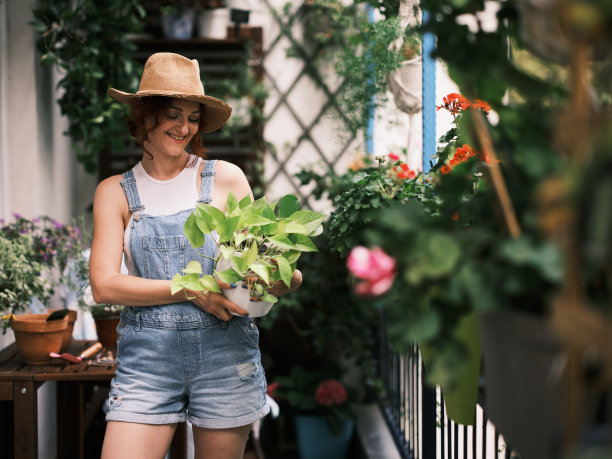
[375, 267]
[330, 393]
[393, 157]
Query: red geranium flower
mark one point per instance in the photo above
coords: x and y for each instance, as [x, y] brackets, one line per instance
[330, 393]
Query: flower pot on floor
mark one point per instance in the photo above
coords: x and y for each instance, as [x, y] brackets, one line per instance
[36, 338]
[523, 386]
[67, 339]
[106, 328]
[316, 441]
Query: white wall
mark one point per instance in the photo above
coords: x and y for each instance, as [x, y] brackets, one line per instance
[38, 172]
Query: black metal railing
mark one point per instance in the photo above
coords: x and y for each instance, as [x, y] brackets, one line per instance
[416, 415]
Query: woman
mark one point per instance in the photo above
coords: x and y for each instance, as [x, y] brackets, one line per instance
[189, 355]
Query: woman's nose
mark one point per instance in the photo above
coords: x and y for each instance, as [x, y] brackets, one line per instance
[183, 126]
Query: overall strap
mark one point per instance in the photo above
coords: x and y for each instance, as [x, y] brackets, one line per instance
[131, 193]
[208, 180]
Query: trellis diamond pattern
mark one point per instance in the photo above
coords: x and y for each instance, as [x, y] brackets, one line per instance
[302, 98]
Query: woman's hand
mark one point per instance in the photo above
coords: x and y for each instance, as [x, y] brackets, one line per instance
[279, 288]
[216, 304]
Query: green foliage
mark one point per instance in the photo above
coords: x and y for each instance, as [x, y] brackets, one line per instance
[372, 189]
[299, 389]
[338, 326]
[32, 251]
[20, 276]
[255, 236]
[359, 50]
[89, 42]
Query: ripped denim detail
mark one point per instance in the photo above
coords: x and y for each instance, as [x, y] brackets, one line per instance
[247, 370]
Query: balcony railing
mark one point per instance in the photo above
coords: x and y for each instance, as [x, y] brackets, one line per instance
[416, 416]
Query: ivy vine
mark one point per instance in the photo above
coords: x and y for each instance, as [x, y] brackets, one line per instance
[89, 41]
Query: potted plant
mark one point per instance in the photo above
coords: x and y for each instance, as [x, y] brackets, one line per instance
[34, 254]
[259, 243]
[214, 19]
[177, 19]
[72, 38]
[320, 404]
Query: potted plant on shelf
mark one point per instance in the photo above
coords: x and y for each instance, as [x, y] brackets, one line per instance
[258, 243]
[34, 254]
[320, 404]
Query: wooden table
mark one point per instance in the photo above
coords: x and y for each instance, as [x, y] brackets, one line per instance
[77, 403]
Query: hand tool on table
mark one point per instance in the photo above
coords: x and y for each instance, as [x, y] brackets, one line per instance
[91, 350]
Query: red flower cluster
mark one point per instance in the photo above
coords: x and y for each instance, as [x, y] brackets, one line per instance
[456, 103]
[330, 392]
[393, 157]
[271, 389]
[403, 172]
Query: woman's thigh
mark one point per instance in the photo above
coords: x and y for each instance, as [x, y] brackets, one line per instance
[136, 441]
[220, 443]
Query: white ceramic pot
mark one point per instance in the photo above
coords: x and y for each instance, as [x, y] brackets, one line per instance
[212, 23]
[240, 295]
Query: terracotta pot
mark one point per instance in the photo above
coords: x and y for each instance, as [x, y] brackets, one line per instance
[67, 340]
[107, 331]
[36, 338]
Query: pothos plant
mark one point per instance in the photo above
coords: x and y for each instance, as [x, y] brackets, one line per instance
[260, 239]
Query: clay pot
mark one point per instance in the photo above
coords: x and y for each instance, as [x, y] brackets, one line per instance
[67, 340]
[36, 338]
[107, 331]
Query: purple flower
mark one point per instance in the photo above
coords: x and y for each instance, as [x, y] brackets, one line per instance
[17, 216]
[57, 225]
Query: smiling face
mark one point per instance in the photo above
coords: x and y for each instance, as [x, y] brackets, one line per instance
[176, 129]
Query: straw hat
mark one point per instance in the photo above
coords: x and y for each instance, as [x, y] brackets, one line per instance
[172, 75]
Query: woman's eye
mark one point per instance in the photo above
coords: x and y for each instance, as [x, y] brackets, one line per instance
[172, 117]
[194, 120]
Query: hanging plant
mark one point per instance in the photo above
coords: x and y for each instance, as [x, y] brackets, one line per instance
[89, 42]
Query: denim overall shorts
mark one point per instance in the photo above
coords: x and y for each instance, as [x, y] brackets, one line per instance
[175, 361]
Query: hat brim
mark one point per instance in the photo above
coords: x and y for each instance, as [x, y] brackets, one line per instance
[217, 111]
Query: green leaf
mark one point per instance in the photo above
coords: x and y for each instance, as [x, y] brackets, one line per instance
[190, 281]
[214, 213]
[193, 232]
[302, 243]
[250, 255]
[309, 218]
[435, 255]
[291, 256]
[257, 220]
[231, 204]
[282, 242]
[227, 228]
[287, 226]
[227, 251]
[244, 202]
[206, 223]
[176, 284]
[286, 272]
[238, 264]
[228, 276]
[210, 283]
[193, 267]
[261, 271]
[269, 298]
[288, 205]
